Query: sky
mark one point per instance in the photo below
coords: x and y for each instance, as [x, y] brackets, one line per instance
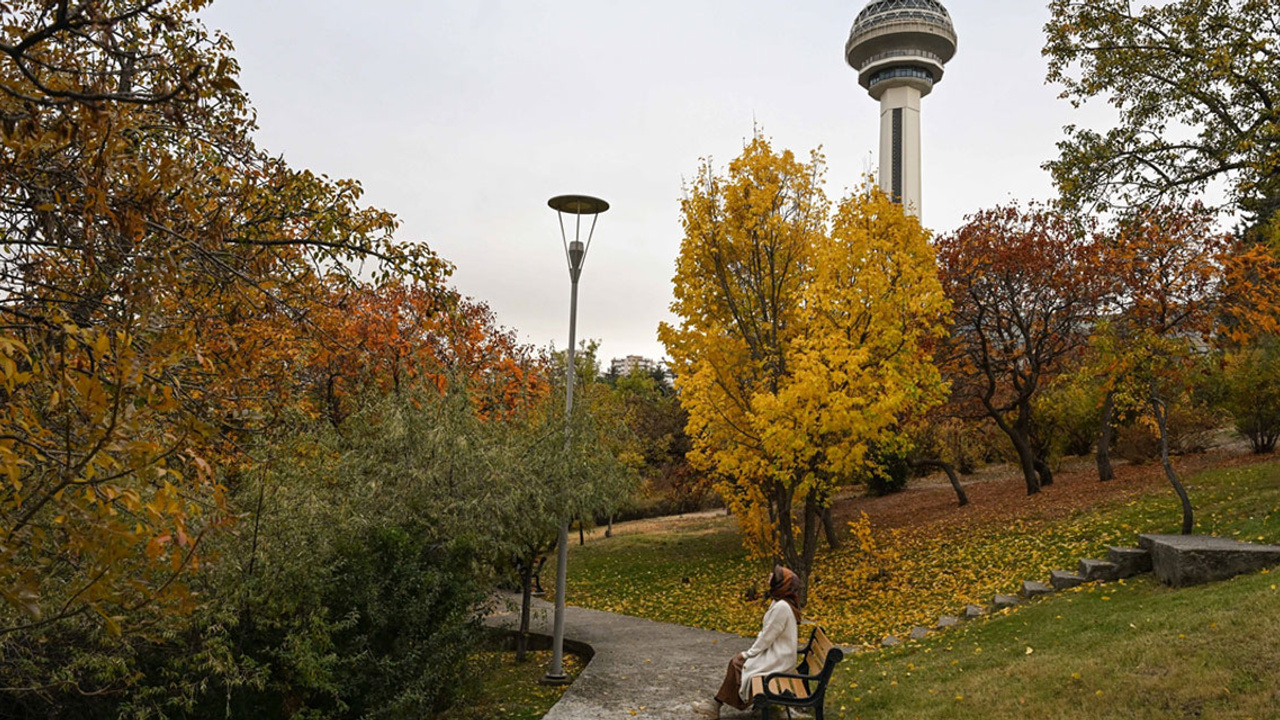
[464, 117]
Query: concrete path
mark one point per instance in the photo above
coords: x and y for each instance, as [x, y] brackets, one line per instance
[641, 670]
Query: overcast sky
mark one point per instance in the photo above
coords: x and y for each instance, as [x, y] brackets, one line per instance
[464, 117]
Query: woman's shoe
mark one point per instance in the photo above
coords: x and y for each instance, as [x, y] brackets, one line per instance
[705, 709]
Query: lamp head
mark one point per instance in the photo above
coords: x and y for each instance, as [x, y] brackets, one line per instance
[579, 205]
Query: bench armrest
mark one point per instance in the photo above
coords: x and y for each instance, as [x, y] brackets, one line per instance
[772, 696]
[793, 676]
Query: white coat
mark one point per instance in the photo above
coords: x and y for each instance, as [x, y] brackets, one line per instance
[775, 647]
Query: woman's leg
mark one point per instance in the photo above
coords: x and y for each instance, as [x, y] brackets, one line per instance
[732, 682]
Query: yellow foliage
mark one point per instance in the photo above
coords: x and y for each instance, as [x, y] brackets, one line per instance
[799, 346]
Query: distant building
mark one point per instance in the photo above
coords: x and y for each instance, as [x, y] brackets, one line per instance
[621, 367]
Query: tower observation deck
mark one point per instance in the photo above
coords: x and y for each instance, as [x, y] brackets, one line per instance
[900, 49]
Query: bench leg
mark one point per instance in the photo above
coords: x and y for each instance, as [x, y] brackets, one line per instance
[764, 711]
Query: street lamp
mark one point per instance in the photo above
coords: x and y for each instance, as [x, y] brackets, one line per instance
[575, 252]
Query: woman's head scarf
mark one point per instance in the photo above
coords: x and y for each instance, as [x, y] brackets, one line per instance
[785, 585]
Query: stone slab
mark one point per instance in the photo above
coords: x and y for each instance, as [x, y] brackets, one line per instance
[1004, 601]
[1182, 560]
[973, 611]
[1032, 589]
[890, 641]
[919, 633]
[946, 621]
[1064, 579]
[1130, 561]
[1098, 570]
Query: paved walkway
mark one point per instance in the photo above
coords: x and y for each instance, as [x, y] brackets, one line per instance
[641, 670]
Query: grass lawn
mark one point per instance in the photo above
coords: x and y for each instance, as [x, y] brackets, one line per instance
[697, 574]
[509, 691]
[1123, 650]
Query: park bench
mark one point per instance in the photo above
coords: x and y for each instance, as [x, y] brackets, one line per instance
[807, 686]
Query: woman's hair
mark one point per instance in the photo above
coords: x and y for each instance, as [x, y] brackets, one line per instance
[785, 585]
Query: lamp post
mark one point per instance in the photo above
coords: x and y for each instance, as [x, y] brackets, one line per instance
[575, 252]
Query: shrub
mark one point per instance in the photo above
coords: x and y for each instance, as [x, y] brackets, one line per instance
[892, 473]
[1251, 389]
[1067, 417]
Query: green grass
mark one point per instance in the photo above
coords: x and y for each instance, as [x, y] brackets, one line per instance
[1131, 650]
[698, 575]
[509, 691]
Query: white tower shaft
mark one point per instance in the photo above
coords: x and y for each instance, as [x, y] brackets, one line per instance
[900, 146]
[900, 49]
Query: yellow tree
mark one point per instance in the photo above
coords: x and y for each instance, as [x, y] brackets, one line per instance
[797, 348]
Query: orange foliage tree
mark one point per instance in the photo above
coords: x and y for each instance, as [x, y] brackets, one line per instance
[160, 282]
[1167, 266]
[1026, 287]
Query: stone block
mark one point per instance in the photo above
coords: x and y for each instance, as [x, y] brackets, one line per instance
[919, 633]
[1098, 571]
[946, 621]
[1032, 589]
[1130, 561]
[1064, 579]
[1000, 602]
[890, 641]
[1182, 560]
[973, 611]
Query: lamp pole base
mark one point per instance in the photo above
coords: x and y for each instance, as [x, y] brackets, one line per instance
[555, 680]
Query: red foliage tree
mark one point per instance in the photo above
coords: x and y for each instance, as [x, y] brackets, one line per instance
[1026, 287]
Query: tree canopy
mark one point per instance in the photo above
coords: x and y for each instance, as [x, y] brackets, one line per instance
[799, 345]
[1198, 96]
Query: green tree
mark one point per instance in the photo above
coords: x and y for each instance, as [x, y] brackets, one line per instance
[1251, 384]
[1196, 88]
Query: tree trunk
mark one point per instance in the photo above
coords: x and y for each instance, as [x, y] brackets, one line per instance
[812, 519]
[1044, 471]
[1027, 459]
[1021, 443]
[783, 522]
[526, 593]
[582, 537]
[1105, 435]
[537, 572]
[961, 497]
[608, 532]
[1188, 513]
[829, 528]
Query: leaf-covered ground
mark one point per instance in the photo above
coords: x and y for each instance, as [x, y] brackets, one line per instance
[510, 691]
[931, 558]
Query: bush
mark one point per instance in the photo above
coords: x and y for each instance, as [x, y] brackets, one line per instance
[1251, 390]
[892, 473]
[349, 589]
[1067, 417]
[1192, 429]
[401, 621]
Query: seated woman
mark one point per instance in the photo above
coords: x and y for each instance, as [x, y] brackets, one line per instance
[773, 651]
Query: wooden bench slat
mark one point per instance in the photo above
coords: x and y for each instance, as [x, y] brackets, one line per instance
[818, 650]
[779, 686]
